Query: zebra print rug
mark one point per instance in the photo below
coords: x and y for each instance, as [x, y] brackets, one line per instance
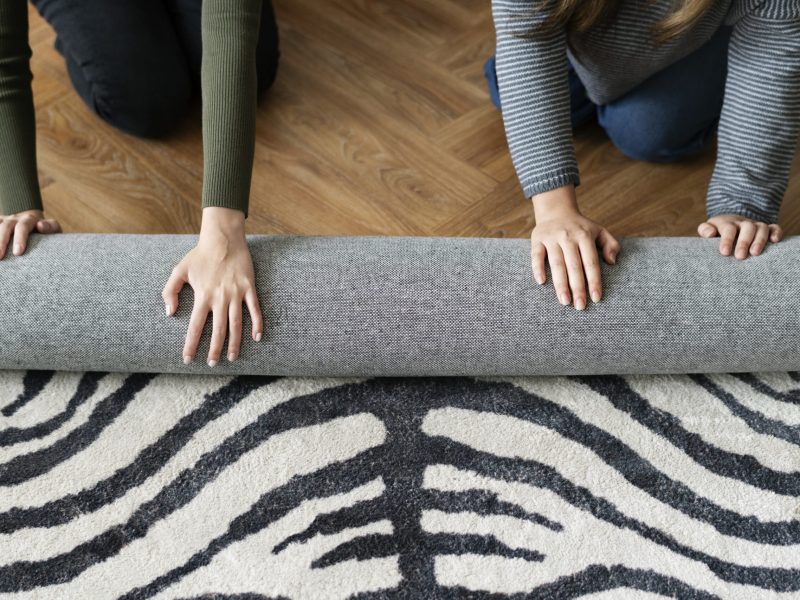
[156, 486]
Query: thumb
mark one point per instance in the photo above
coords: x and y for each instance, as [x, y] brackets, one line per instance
[610, 246]
[175, 283]
[707, 230]
[48, 226]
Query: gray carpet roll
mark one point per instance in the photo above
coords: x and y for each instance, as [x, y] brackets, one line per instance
[407, 307]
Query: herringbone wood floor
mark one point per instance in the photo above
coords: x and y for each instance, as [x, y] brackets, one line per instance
[379, 123]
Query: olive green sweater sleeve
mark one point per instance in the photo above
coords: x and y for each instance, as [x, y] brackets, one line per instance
[228, 78]
[19, 185]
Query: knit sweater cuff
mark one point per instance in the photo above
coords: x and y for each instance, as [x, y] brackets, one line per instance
[550, 181]
[743, 209]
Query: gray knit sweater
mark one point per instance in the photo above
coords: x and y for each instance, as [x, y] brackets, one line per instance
[760, 120]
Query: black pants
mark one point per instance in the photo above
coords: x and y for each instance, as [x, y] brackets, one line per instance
[136, 63]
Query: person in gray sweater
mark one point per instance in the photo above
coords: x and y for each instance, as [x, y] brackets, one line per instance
[662, 77]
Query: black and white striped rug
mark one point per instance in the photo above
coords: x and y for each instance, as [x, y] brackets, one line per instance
[145, 486]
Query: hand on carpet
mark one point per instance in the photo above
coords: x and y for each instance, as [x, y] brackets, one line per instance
[220, 271]
[16, 229]
[749, 237]
[569, 241]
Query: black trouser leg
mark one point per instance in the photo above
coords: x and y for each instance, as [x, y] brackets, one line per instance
[133, 62]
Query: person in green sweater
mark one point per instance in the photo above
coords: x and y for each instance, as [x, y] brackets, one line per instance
[136, 63]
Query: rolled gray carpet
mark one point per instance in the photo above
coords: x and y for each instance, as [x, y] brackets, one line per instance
[406, 306]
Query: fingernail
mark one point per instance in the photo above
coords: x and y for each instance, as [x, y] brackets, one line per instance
[563, 299]
[17, 249]
[539, 280]
[168, 309]
[595, 296]
[580, 304]
[258, 336]
[187, 359]
[212, 362]
[231, 357]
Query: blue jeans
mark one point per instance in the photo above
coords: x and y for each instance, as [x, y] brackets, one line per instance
[671, 115]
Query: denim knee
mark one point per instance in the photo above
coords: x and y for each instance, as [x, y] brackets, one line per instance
[652, 136]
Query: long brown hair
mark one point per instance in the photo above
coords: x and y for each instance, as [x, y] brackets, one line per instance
[582, 15]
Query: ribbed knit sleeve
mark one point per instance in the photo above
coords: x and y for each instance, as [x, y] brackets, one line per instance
[760, 121]
[534, 93]
[19, 185]
[228, 75]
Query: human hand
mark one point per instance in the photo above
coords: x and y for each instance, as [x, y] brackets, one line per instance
[749, 236]
[569, 241]
[220, 271]
[18, 228]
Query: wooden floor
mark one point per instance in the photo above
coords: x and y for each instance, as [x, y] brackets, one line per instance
[379, 123]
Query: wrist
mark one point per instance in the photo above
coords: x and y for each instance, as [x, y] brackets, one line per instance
[555, 203]
[218, 220]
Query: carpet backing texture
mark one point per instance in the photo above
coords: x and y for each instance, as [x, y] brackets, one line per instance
[407, 306]
[252, 487]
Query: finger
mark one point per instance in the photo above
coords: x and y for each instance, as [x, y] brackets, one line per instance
[538, 255]
[591, 266]
[48, 226]
[727, 234]
[251, 299]
[610, 246]
[234, 329]
[707, 230]
[6, 229]
[21, 233]
[775, 234]
[747, 233]
[196, 324]
[218, 331]
[577, 279]
[558, 270]
[172, 289]
[760, 240]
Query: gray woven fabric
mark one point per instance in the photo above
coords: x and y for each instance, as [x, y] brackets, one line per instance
[406, 306]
